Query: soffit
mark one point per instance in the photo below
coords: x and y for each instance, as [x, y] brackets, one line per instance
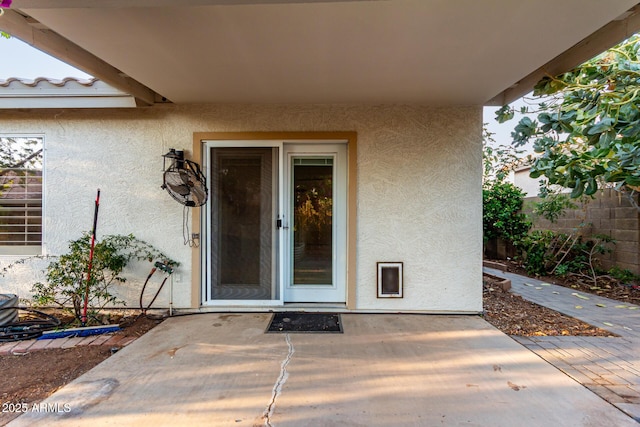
[435, 52]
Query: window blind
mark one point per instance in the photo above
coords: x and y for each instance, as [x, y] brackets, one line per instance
[20, 207]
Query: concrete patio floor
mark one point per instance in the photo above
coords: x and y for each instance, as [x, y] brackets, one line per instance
[384, 370]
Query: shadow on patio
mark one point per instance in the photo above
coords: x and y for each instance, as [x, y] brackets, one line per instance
[222, 369]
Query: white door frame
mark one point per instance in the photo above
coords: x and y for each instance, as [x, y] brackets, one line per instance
[282, 255]
[205, 253]
[336, 291]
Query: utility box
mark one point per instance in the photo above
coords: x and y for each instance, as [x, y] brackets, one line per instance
[8, 309]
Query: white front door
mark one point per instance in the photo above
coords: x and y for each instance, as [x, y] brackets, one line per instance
[275, 225]
[315, 200]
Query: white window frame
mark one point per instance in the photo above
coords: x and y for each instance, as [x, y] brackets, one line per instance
[36, 249]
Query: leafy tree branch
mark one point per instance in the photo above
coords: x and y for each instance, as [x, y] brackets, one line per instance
[498, 160]
[587, 132]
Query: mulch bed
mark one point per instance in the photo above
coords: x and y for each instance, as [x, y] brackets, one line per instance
[514, 315]
[31, 377]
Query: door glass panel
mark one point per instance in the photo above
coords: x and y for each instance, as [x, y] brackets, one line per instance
[242, 220]
[313, 220]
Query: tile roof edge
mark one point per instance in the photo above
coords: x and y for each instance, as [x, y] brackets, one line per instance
[54, 82]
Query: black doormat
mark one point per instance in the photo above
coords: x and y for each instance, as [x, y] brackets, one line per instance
[305, 322]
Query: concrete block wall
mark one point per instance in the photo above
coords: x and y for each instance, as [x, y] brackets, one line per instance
[609, 213]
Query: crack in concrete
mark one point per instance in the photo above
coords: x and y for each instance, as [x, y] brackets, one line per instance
[282, 378]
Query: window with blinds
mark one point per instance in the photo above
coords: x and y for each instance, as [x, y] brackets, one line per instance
[21, 195]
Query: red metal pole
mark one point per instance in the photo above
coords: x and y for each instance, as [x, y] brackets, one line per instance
[93, 242]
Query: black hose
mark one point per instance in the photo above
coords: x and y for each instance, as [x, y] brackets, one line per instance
[153, 270]
[168, 270]
[155, 296]
[28, 328]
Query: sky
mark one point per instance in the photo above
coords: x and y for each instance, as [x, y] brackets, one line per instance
[18, 59]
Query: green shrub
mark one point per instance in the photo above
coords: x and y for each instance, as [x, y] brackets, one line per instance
[66, 277]
[547, 252]
[502, 215]
[562, 269]
[535, 247]
[553, 206]
[623, 275]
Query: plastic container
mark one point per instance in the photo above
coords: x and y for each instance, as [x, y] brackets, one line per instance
[8, 315]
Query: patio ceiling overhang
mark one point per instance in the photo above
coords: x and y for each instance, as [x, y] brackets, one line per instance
[431, 52]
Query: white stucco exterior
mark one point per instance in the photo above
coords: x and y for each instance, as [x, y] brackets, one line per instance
[418, 195]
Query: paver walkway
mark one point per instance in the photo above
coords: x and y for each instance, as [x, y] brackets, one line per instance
[22, 347]
[609, 366]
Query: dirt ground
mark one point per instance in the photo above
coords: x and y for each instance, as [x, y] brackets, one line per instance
[514, 315]
[31, 377]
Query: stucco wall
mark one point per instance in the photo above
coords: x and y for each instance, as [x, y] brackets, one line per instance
[419, 177]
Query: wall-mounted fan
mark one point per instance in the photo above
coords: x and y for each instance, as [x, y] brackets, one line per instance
[184, 180]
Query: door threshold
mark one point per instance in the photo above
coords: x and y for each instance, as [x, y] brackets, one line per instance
[309, 307]
[313, 306]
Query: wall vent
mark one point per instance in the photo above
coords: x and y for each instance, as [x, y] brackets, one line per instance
[389, 279]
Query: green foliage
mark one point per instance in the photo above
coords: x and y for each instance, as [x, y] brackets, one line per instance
[498, 160]
[66, 277]
[502, 216]
[623, 275]
[505, 114]
[562, 269]
[588, 133]
[553, 207]
[502, 201]
[536, 249]
[547, 252]
[5, 35]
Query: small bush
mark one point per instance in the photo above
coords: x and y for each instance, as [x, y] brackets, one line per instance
[502, 215]
[624, 275]
[548, 252]
[553, 206]
[535, 247]
[66, 277]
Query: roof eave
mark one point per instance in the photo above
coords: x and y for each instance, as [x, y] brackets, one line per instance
[70, 92]
[33, 33]
[611, 34]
